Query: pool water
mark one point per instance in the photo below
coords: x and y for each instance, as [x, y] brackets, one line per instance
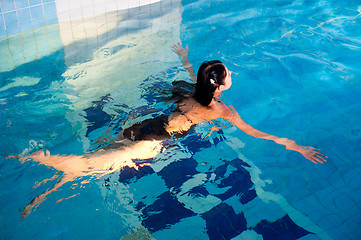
[297, 73]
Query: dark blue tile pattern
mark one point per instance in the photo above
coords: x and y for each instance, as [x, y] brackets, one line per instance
[196, 143]
[222, 221]
[175, 174]
[239, 181]
[127, 174]
[282, 229]
[164, 212]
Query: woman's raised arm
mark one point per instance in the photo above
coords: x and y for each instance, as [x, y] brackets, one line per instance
[310, 153]
[183, 53]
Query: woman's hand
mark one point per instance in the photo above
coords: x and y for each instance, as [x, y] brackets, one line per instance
[178, 49]
[183, 53]
[312, 154]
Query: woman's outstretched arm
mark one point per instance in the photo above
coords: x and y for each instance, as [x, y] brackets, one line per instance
[183, 53]
[310, 153]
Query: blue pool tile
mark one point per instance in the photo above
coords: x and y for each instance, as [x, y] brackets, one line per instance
[2, 32]
[164, 212]
[310, 237]
[96, 117]
[344, 203]
[220, 171]
[188, 229]
[239, 181]
[24, 15]
[38, 22]
[352, 179]
[199, 191]
[176, 173]
[10, 19]
[13, 29]
[331, 222]
[21, 3]
[139, 206]
[282, 229]
[36, 12]
[49, 9]
[34, 2]
[223, 223]
[46, 1]
[24, 26]
[51, 19]
[196, 143]
[248, 196]
[2, 24]
[50, 13]
[7, 5]
[127, 174]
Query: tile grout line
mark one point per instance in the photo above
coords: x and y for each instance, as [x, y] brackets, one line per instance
[36, 5]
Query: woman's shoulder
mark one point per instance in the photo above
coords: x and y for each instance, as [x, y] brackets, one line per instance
[216, 109]
[222, 110]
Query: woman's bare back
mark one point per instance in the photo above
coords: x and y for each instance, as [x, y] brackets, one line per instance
[190, 112]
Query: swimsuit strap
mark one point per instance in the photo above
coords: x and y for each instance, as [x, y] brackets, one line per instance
[182, 113]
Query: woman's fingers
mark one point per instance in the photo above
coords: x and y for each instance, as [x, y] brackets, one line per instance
[174, 47]
[314, 155]
[317, 157]
[322, 154]
[311, 159]
[177, 48]
[322, 159]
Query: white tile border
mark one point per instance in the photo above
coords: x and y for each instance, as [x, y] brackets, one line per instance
[74, 9]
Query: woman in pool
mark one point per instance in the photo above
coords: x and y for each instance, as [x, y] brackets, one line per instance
[213, 77]
[144, 140]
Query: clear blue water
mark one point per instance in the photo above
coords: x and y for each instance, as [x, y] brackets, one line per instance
[298, 71]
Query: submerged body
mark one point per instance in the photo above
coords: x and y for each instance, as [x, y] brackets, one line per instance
[139, 141]
[145, 140]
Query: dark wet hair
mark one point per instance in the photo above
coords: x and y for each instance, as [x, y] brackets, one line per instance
[210, 75]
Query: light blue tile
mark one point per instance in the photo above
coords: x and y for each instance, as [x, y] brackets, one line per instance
[12, 29]
[46, 1]
[51, 19]
[2, 32]
[36, 12]
[10, 18]
[7, 5]
[38, 22]
[24, 26]
[23, 15]
[2, 20]
[50, 9]
[21, 3]
[34, 2]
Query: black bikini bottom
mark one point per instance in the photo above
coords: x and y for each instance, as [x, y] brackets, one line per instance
[151, 129]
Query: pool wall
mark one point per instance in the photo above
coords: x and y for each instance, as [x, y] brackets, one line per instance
[92, 37]
[18, 16]
[31, 29]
